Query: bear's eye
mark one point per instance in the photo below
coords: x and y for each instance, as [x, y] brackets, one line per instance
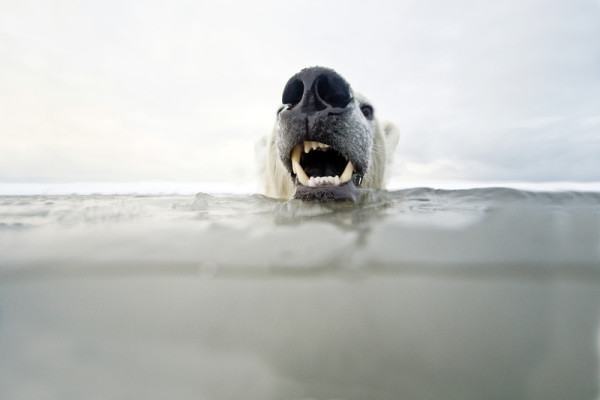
[367, 111]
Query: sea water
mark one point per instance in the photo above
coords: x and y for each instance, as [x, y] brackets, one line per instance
[489, 293]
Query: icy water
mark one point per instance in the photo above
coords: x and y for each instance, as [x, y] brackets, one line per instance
[413, 294]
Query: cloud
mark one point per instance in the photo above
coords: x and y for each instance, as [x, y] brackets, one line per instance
[146, 90]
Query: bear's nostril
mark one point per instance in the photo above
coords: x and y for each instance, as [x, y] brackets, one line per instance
[316, 89]
[292, 93]
[333, 90]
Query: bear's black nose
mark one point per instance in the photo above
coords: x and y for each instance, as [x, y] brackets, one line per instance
[315, 89]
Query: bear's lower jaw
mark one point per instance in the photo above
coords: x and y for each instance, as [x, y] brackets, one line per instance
[345, 191]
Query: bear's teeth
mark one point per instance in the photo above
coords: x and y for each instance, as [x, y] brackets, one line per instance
[347, 174]
[297, 168]
[315, 181]
[310, 145]
[307, 146]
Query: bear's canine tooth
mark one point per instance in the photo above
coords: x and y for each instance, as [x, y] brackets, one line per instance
[296, 167]
[296, 152]
[347, 174]
[301, 175]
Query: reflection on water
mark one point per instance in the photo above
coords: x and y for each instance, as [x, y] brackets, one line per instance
[415, 294]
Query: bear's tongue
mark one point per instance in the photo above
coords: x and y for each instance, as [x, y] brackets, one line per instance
[316, 164]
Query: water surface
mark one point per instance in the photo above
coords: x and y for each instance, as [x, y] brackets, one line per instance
[414, 294]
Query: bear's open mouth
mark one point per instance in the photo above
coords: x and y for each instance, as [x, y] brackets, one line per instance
[319, 165]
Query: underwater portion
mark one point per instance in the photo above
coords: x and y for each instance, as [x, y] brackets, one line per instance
[489, 293]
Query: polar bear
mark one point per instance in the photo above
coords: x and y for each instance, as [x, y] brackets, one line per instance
[326, 143]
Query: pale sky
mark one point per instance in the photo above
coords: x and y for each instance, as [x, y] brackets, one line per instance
[124, 91]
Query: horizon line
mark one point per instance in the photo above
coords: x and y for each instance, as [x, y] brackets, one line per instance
[192, 188]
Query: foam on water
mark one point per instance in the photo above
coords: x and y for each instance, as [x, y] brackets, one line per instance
[411, 294]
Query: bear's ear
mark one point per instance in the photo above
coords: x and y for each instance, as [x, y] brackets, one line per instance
[391, 135]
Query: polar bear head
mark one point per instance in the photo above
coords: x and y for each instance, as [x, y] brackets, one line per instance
[326, 142]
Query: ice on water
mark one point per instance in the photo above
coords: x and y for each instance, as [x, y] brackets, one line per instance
[411, 294]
